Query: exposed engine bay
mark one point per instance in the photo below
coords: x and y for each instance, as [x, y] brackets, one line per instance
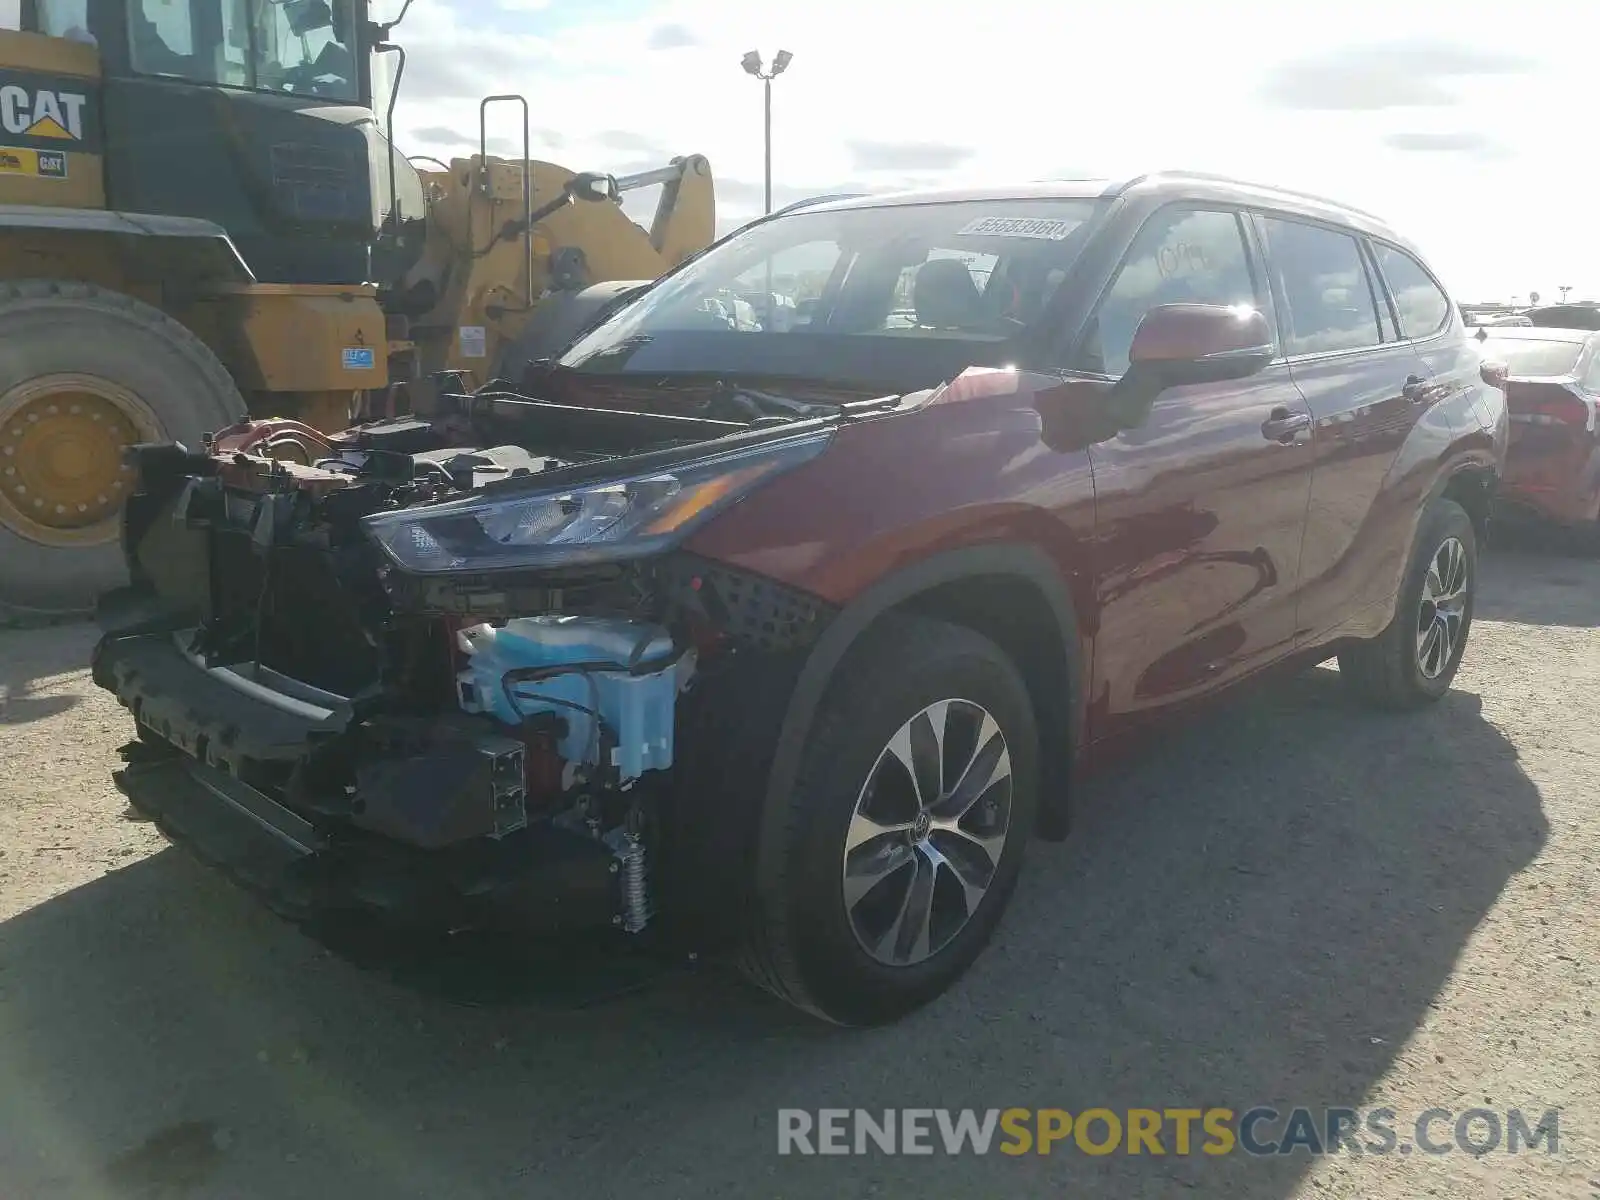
[442, 660]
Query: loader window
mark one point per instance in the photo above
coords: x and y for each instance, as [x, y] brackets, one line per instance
[161, 38]
[305, 47]
[233, 56]
[62, 19]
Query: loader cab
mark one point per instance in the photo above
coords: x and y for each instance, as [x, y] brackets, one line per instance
[257, 115]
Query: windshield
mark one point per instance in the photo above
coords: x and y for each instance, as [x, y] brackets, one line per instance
[899, 294]
[304, 47]
[1527, 357]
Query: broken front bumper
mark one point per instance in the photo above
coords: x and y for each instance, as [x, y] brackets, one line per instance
[205, 732]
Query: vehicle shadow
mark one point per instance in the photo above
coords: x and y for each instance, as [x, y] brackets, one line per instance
[30, 659]
[1258, 912]
[1528, 579]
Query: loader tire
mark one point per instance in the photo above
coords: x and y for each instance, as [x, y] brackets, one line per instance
[84, 371]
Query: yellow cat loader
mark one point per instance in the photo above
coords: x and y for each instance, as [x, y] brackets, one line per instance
[203, 218]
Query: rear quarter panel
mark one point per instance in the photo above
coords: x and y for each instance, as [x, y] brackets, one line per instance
[1475, 410]
[1462, 427]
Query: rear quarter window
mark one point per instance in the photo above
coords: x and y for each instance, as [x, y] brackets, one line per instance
[1424, 308]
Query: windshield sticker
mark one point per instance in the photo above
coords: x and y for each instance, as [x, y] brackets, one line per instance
[1045, 228]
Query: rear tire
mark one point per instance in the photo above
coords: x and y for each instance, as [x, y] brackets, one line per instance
[158, 382]
[1412, 663]
[822, 938]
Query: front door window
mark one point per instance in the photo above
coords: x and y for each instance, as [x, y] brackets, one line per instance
[1181, 256]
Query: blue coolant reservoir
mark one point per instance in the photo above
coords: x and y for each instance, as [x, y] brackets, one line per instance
[589, 660]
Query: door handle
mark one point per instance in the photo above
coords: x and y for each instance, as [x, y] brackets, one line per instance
[1282, 425]
[1413, 389]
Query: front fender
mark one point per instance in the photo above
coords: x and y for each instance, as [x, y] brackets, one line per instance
[901, 589]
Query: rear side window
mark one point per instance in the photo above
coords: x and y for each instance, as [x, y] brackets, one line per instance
[1181, 256]
[1324, 283]
[1424, 308]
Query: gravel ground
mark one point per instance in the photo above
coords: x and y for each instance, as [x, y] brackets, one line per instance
[1295, 902]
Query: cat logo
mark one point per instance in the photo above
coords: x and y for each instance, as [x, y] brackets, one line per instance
[42, 113]
[46, 164]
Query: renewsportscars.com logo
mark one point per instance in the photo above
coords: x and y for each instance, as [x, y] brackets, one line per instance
[1258, 1132]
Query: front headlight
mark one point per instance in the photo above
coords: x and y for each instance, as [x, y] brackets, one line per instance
[598, 522]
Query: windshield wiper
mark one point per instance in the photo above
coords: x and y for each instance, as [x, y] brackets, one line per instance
[759, 403]
[728, 393]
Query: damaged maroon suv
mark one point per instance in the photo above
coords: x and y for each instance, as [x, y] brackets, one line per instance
[776, 628]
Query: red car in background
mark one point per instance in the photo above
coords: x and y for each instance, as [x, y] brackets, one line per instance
[1553, 392]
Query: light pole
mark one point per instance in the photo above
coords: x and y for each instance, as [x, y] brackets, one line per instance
[751, 63]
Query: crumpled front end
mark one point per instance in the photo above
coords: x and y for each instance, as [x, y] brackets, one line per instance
[570, 738]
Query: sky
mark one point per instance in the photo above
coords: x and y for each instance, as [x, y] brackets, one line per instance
[1467, 125]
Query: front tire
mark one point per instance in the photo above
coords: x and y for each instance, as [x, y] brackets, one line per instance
[1413, 662]
[904, 834]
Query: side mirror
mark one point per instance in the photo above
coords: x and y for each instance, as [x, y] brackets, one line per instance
[1200, 343]
[593, 186]
[1178, 344]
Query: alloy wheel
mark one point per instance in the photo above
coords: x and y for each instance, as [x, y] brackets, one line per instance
[1442, 614]
[928, 831]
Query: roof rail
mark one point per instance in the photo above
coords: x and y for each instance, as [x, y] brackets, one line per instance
[793, 206]
[810, 200]
[1213, 177]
